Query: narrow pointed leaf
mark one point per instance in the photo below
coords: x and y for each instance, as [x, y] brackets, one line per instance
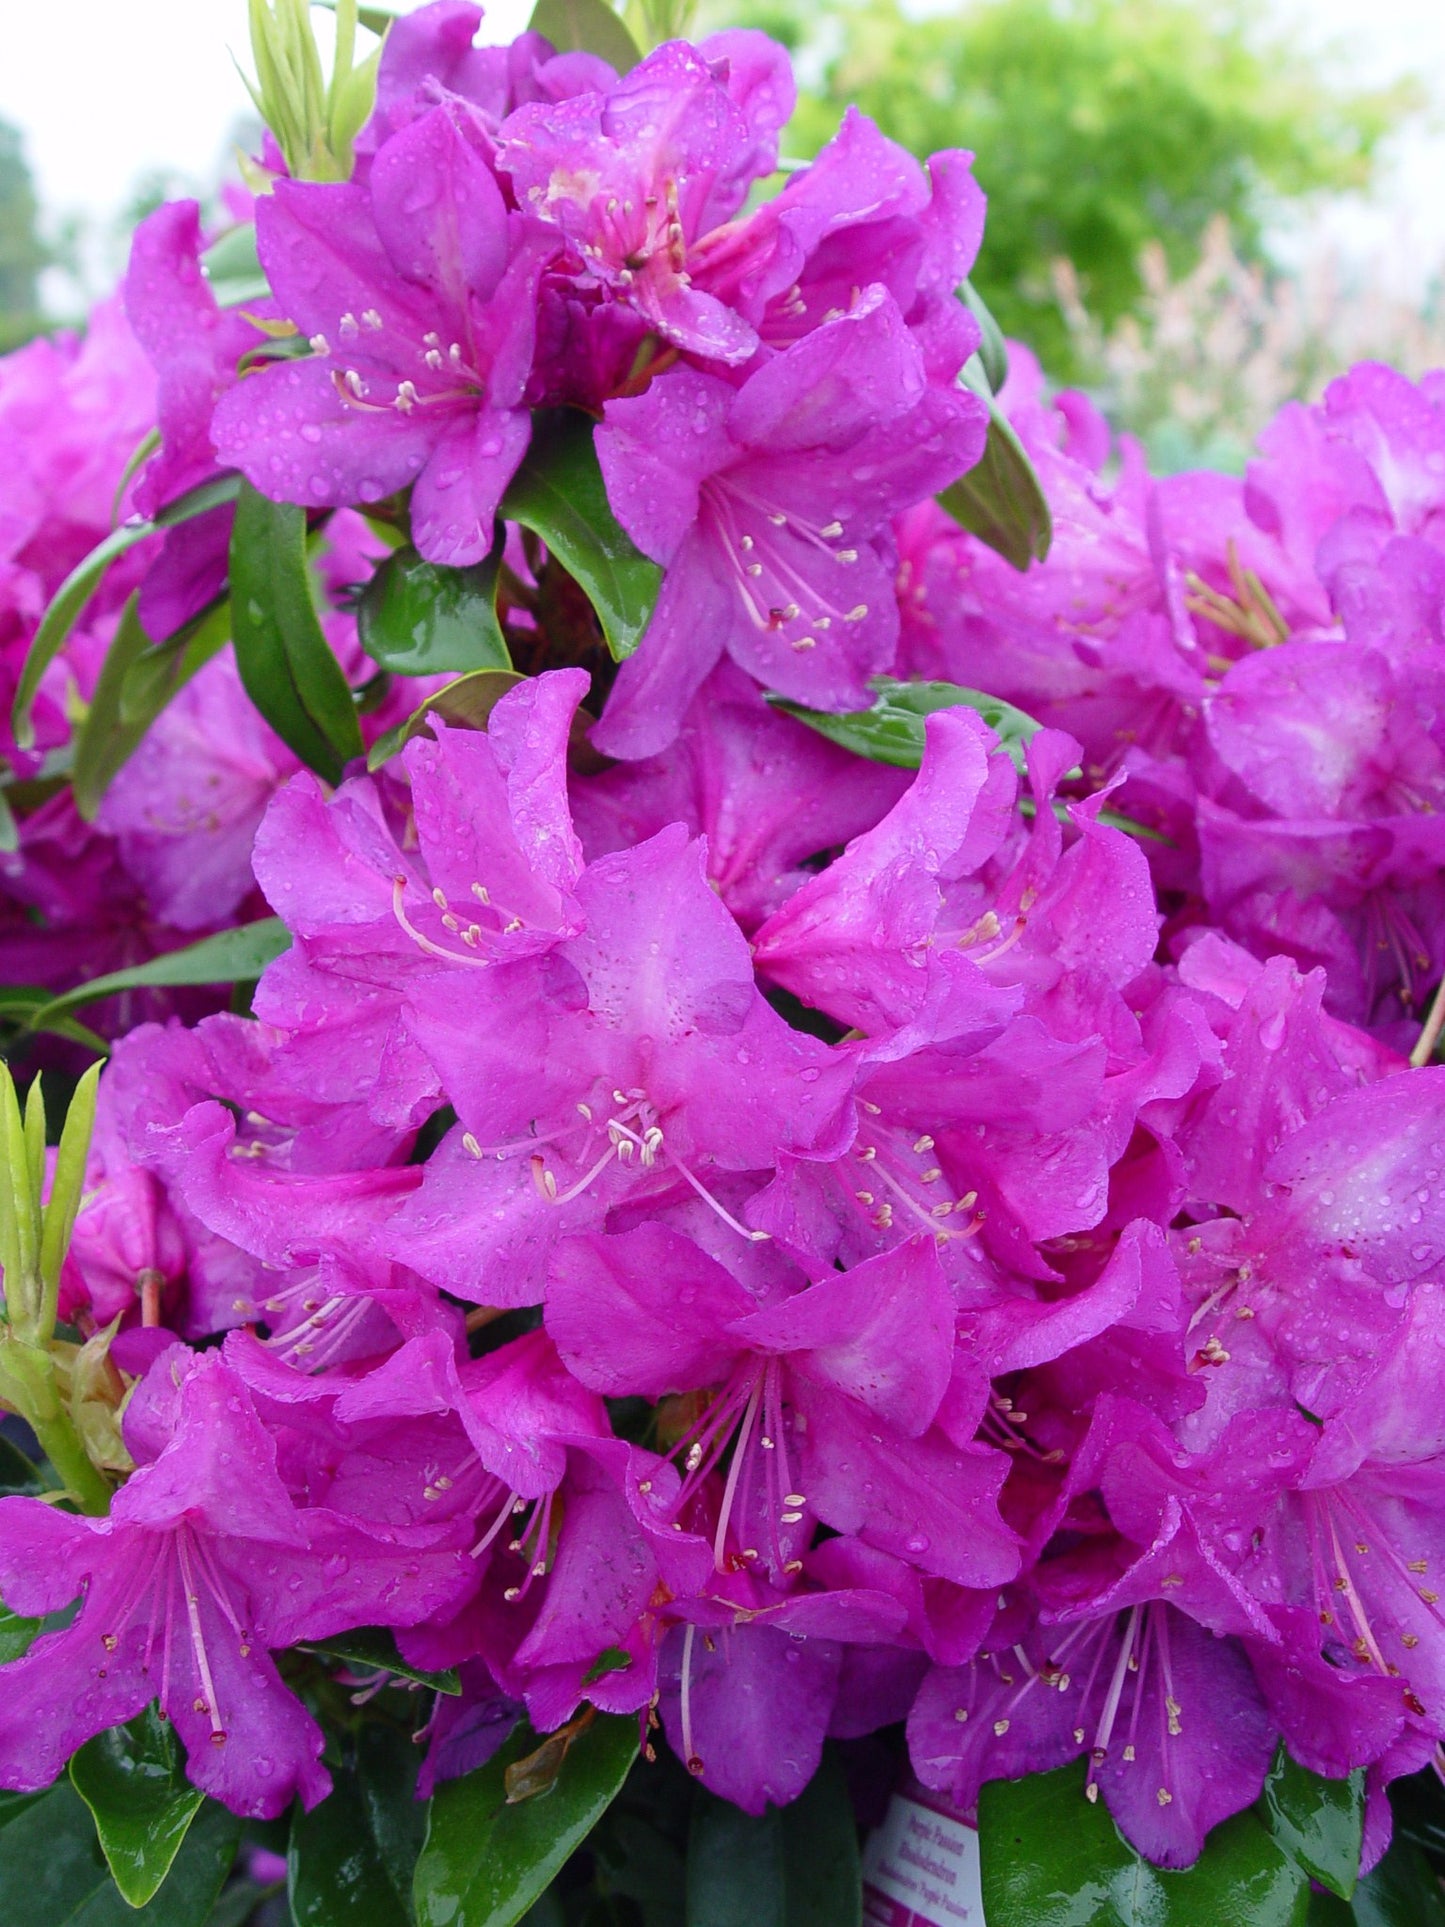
[17, 1634]
[486, 1861]
[231, 956]
[419, 619]
[135, 685]
[68, 1181]
[559, 493]
[993, 351]
[133, 1780]
[61, 617]
[1000, 500]
[285, 661]
[586, 26]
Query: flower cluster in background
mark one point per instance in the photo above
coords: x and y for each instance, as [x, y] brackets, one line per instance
[712, 1216]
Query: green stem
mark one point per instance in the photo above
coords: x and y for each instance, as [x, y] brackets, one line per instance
[27, 1388]
[61, 1444]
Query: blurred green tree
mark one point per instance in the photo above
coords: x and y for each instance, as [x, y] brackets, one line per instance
[1098, 125]
[22, 253]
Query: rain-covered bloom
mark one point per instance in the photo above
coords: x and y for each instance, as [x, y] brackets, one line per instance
[772, 1236]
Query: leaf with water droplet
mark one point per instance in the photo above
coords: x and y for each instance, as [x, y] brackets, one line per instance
[375, 1647]
[133, 1780]
[486, 1861]
[419, 619]
[558, 492]
[284, 659]
[1319, 1823]
[1051, 1858]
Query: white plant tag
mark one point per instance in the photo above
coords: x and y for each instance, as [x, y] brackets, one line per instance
[920, 1869]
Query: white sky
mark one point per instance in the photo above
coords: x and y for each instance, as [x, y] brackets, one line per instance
[107, 91]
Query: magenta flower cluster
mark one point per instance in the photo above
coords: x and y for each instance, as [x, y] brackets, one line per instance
[725, 1229]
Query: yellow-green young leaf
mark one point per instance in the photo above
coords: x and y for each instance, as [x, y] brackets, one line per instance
[67, 1184]
[19, 1232]
[486, 1859]
[35, 1139]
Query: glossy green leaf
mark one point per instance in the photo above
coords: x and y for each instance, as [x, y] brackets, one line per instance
[793, 1866]
[1000, 500]
[467, 702]
[1319, 1823]
[17, 1634]
[61, 617]
[993, 350]
[422, 620]
[231, 956]
[1050, 1858]
[338, 1872]
[53, 1873]
[486, 1861]
[892, 730]
[233, 268]
[375, 1647]
[586, 26]
[559, 493]
[1402, 1891]
[133, 1780]
[284, 659]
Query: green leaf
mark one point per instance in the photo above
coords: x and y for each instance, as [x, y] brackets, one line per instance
[375, 1646]
[1051, 1858]
[1319, 1823]
[233, 268]
[337, 1872]
[53, 1873]
[419, 619]
[17, 1634]
[231, 956]
[793, 1866]
[588, 27]
[98, 741]
[133, 1780]
[486, 1861]
[993, 350]
[1402, 1891]
[467, 702]
[199, 500]
[134, 687]
[1000, 500]
[559, 493]
[61, 617]
[892, 730]
[285, 661]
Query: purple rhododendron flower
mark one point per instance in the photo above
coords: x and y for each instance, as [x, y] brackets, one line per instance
[416, 293]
